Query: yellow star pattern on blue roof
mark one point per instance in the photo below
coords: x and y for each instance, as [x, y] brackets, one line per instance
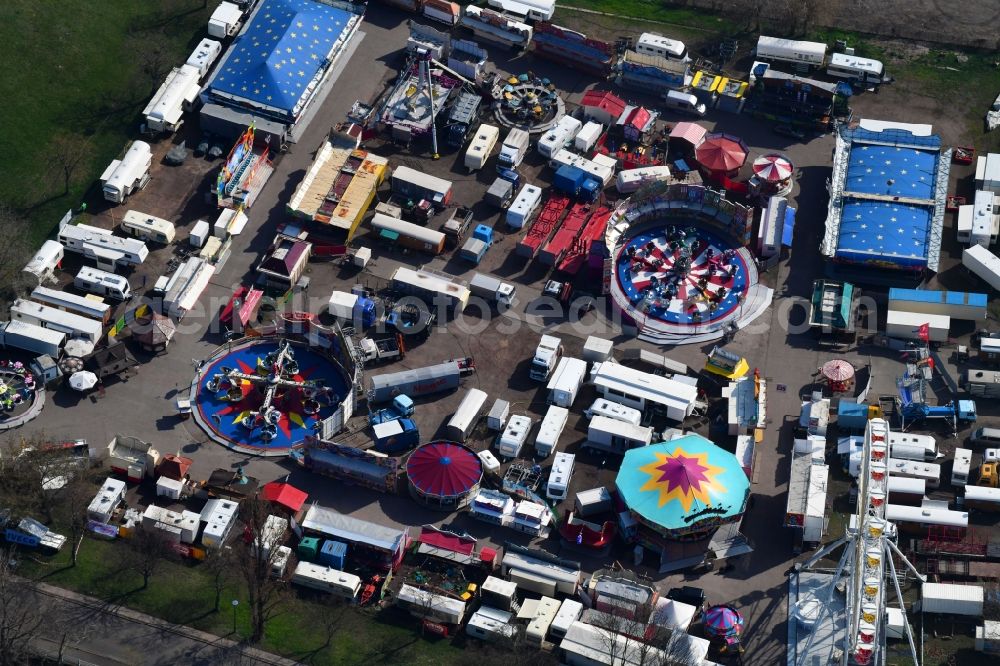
[258, 68]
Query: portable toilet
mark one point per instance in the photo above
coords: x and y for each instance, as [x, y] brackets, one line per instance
[308, 549]
[333, 554]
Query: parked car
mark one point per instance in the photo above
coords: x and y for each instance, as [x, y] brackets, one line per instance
[688, 595]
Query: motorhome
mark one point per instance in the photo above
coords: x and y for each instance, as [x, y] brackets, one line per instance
[538, 628]
[179, 93]
[106, 249]
[804, 54]
[147, 228]
[43, 265]
[653, 44]
[614, 436]
[73, 325]
[560, 476]
[128, 175]
[68, 302]
[524, 206]
[852, 68]
[204, 56]
[559, 136]
[466, 416]
[550, 430]
[961, 467]
[102, 283]
[684, 102]
[481, 146]
[613, 410]
[318, 577]
[630, 180]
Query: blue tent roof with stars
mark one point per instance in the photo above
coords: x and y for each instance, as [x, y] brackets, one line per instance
[891, 170]
[272, 62]
[882, 230]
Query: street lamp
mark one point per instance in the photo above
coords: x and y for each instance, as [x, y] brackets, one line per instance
[235, 604]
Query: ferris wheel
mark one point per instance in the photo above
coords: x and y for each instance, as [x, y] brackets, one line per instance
[866, 566]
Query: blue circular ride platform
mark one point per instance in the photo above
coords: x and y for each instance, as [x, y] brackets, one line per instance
[265, 396]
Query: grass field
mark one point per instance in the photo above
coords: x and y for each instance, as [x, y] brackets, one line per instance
[85, 73]
[184, 594]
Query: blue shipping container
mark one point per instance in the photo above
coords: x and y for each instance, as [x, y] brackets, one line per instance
[333, 554]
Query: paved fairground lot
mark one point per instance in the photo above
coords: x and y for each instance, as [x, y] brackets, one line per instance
[143, 405]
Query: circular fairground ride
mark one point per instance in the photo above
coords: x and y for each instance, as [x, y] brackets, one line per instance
[529, 103]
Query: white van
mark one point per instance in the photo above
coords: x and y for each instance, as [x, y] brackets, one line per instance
[650, 43]
[147, 228]
[683, 102]
[559, 478]
[102, 283]
[528, 199]
[549, 432]
[614, 410]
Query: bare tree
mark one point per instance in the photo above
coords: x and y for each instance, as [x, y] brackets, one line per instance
[71, 508]
[67, 153]
[145, 552]
[14, 254]
[219, 563]
[266, 595]
[21, 620]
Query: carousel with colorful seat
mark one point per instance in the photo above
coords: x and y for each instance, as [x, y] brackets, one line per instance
[265, 396]
[528, 102]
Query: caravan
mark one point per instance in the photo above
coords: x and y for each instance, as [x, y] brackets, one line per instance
[560, 136]
[545, 613]
[560, 476]
[521, 211]
[129, 174]
[68, 302]
[806, 54]
[481, 146]
[43, 265]
[650, 43]
[614, 436]
[852, 68]
[466, 416]
[94, 281]
[148, 228]
[179, 93]
[318, 577]
[73, 325]
[106, 249]
[550, 430]
[630, 180]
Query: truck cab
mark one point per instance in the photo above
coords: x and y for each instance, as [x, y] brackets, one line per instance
[988, 475]
[380, 350]
[457, 224]
[547, 356]
[401, 407]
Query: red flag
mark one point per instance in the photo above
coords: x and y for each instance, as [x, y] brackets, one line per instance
[924, 332]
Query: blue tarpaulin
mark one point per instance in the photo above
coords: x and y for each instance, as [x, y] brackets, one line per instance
[789, 227]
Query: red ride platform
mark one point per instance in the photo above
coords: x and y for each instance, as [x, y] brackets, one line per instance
[563, 239]
[548, 220]
[576, 256]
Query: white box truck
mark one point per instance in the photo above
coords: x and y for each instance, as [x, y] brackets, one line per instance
[524, 206]
[513, 437]
[492, 289]
[128, 175]
[559, 478]
[481, 146]
[983, 264]
[466, 416]
[550, 430]
[566, 382]
[225, 20]
[513, 149]
[907, 325]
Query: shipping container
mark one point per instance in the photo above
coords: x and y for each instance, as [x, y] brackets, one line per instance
[466, 415]
[550, 430]
[951, 599]
[908, 325]
[497, 417]
[498, 593]
[595, 500]
[560, 477]
[955, 304]
[566, 381]
[588, 136]
[413, 184]
[420, 381]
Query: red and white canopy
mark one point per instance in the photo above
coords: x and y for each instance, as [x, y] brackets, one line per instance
[773, 168]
